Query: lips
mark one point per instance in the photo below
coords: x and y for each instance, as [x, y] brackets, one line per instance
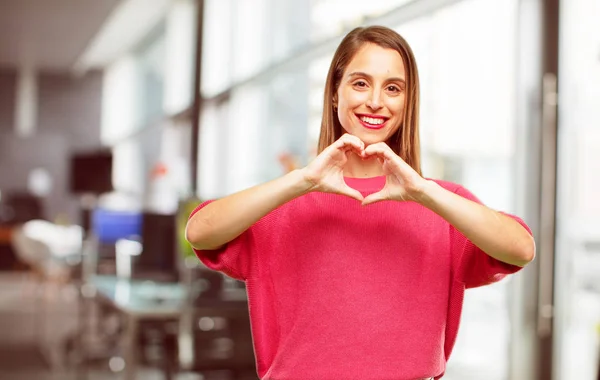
[372, 121]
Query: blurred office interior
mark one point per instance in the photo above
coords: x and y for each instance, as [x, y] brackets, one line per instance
[118, 116]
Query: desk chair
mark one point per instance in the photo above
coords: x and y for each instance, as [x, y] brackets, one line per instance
[54, 254]
[52, 251]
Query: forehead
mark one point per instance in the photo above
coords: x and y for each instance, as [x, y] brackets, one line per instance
[375, 60]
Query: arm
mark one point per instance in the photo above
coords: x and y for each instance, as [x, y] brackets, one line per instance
[498, 235]
[225, 219]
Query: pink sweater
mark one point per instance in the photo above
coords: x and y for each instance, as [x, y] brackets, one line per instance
[338, 290]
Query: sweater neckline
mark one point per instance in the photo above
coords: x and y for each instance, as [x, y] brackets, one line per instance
[366, 184]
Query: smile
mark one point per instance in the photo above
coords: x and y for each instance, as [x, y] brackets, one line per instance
[372, 121]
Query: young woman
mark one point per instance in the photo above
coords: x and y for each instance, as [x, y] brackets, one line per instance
[356, 265]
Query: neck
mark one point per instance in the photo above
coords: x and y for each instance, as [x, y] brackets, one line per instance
[358, 168]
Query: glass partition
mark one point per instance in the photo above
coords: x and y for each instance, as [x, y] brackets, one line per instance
[577, 281]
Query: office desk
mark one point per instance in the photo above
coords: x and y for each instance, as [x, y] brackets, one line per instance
[136, 300]
[141, 300]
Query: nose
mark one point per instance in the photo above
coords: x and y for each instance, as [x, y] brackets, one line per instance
[374, 101]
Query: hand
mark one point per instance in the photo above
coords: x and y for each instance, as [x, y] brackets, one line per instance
[402, 183]
[326, 172]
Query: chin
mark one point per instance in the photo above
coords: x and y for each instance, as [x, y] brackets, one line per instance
[370, 139]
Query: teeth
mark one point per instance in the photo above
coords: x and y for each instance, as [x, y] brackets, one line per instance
[371, 120]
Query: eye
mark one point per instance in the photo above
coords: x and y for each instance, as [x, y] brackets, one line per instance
[393, 88]
[360, 83]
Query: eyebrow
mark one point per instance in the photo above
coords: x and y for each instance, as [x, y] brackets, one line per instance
[361, 74]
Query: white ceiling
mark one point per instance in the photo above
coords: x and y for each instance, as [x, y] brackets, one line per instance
[49, 34]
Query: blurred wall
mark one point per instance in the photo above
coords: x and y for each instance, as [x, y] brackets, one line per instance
[68, 120]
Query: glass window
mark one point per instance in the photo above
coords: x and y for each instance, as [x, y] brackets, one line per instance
[151, 66]
[217, 46]
[290, 28]
[329, 18]
[211, 150]
[121, 109]
[577, 281]
[141, 91]
[251, 26]
[243, 133]
[128, 168]
[180, 56]
[243, 37]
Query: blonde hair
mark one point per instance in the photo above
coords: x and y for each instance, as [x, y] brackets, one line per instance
[405, 142]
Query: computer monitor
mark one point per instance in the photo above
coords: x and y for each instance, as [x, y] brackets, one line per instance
[91, 172]
[159, 259]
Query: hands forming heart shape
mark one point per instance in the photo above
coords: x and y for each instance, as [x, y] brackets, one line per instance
[326, 172]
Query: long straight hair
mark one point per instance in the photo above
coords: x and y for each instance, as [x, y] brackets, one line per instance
[405, 142]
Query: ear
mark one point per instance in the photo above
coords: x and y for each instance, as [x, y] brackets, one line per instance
[335, 100]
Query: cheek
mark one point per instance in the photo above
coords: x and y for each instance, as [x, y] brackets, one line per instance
[351, 99]
[396, 105]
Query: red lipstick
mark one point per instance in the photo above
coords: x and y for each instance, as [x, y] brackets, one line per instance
[368, 124]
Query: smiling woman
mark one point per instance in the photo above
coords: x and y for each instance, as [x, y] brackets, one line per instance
[363, 243]
[373, 85]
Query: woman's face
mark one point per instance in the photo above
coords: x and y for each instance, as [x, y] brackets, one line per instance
[370, 97]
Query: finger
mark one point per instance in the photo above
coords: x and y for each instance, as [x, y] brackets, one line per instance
[385, 153]
[381, 150]
[344, 146]
[348, 141]
[353, 147]
[373, 198]
[349, 137]
[352, 193]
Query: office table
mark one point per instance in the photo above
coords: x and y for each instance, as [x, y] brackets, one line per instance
[136, 300]
[142, 300]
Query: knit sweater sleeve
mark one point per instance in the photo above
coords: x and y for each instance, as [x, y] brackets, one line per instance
[237, 258]
[476, 268]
